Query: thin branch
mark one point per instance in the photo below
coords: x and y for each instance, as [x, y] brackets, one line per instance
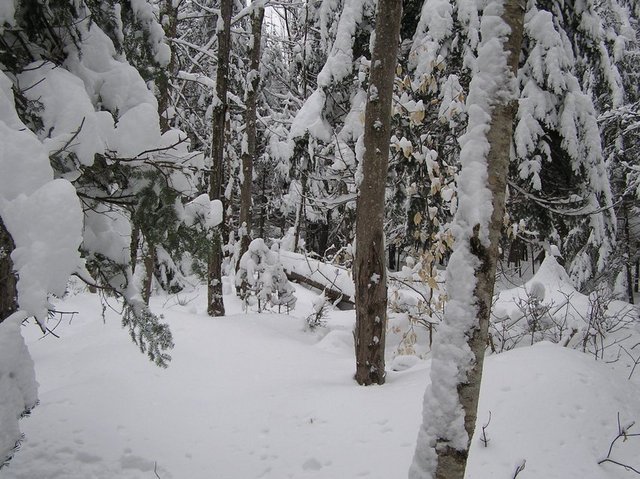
[485, 440]
[519, 468]
[624, 433]
[619, 464]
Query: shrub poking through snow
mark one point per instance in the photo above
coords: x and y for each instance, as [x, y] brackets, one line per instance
[317, 319]
[261, 279]
[549, 308]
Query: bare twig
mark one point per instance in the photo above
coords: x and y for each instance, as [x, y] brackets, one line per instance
[623, 432]
[70, 140]
[635, 360]
[519, 468]
[626, 466]
[485, 440]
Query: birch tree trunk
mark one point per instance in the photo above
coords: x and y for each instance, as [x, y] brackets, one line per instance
[251, 96]
[445, 436]
[216, 190]
[369, 266]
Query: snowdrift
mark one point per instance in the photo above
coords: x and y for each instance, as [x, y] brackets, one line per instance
[251, 396]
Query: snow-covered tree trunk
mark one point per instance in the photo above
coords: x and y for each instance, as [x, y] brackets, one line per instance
[216, 186]
[169, 19]
[370, 269]
[249, 148]
[451, 401]
[8, 293]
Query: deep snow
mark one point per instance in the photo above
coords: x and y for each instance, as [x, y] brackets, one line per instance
[249, 396]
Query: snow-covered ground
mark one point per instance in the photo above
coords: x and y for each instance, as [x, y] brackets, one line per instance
[250, 396]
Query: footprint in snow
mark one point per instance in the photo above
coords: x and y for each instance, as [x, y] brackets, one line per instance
[87, 458]
[311, 464]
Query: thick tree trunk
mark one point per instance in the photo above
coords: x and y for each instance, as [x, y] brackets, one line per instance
[216, 190]
[369, 267]
[248, 156]
[8, 280]
[451, 462]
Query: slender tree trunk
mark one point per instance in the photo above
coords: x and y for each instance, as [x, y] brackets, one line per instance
[452, 462]
[627, 251]
[169, 20]
[263, 204]
[369, 267]
[8, 280]
[248, 156]
[300, 214]
[149, 268]
[133, 248]
[304, 165]
[216, 190]
[169, 17]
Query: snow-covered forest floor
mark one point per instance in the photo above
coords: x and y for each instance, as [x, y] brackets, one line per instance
[258, 395]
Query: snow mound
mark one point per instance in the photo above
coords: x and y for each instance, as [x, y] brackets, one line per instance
[557, 409]
[18, 387]
[551, 275]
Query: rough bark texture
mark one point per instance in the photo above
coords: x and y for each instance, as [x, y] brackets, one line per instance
[216, 191]
[246, 217]
[369, 266]
[452, 463]
[8, 280]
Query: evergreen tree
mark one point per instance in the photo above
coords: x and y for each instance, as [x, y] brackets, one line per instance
[102, 133]
[559, 182]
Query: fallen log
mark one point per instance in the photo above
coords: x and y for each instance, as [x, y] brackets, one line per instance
[341, 300]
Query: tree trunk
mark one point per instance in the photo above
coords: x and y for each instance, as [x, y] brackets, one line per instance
[149, 269]
[8, 280]
[248, 156]
[169, 21]
[452, 462]
[135, 241]
[263, 204]
[216, 190]
[369, 266]
[627, 250]
[300, 214]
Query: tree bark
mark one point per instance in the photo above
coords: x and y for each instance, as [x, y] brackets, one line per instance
[251, 96]
[169, 21]
[8, 280]
[369, 266]
[300, 214]
[216, 190]
[627, 250]
[149, 269]
[451, 462]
